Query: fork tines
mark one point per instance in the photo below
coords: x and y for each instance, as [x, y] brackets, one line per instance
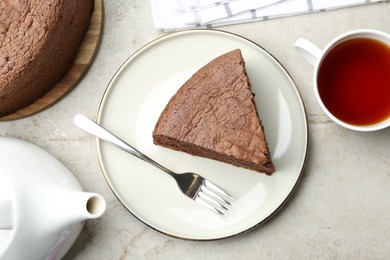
[214, 198]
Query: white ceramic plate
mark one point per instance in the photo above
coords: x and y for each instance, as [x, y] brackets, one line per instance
[132, 104]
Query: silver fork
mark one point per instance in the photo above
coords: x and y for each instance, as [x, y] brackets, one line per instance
[191, 184]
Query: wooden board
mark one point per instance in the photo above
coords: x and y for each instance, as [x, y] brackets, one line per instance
[83, 61]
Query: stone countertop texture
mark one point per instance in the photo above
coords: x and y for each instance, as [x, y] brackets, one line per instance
[341, 207]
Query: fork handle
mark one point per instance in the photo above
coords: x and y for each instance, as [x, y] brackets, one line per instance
[97, 130]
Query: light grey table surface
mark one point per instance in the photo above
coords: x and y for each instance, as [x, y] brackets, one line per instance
[341, 208]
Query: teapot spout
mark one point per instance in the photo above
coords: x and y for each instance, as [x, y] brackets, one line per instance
[72, 207]
[92, 205]
[96, 205]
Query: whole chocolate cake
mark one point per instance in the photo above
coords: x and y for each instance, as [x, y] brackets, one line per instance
[214, 115]
[38, 43]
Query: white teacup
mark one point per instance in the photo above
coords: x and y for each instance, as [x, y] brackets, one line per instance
[352, 78]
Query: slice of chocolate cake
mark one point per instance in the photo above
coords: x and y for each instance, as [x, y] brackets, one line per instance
[214, 115]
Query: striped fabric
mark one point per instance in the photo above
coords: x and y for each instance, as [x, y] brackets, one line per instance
[172, 15]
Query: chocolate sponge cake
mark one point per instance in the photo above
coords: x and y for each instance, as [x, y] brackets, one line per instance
[214, 115]
[38, 43]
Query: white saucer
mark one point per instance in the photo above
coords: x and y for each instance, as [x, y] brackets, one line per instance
[134, 100]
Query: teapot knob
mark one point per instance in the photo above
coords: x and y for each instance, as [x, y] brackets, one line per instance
[6, 214]
[6, 208]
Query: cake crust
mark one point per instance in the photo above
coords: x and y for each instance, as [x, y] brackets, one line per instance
[214, 115]
[38, 43]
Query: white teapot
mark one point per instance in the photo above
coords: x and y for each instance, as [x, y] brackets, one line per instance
[42, 205]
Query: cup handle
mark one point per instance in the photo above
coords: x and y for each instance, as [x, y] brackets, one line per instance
[308, 50]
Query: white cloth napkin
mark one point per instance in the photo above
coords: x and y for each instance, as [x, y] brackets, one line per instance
[172, 15]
